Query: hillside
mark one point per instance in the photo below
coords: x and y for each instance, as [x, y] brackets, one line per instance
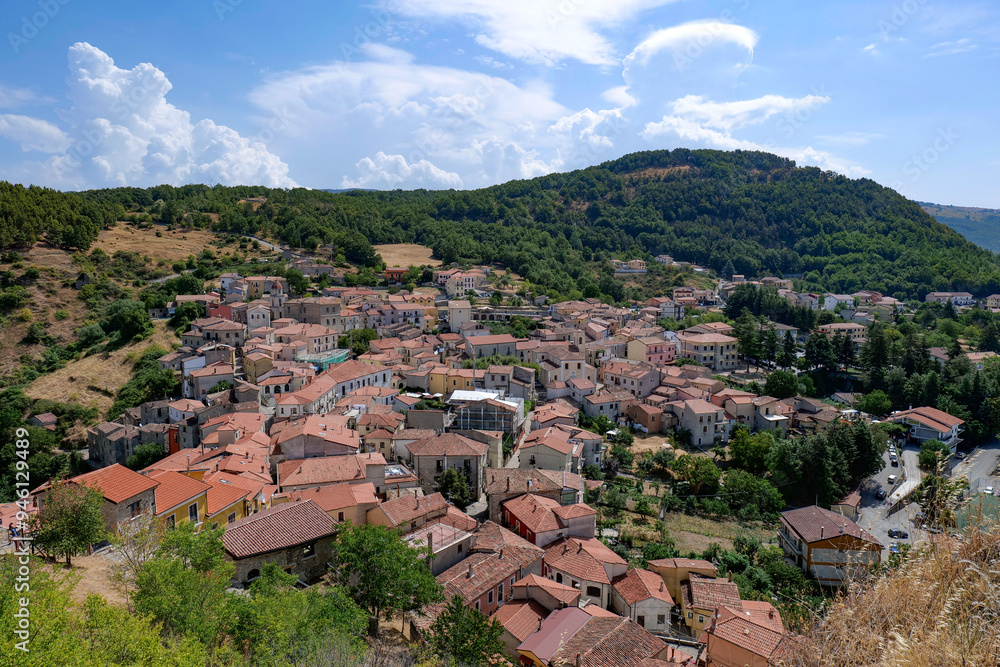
[757, 210]
[979, 225]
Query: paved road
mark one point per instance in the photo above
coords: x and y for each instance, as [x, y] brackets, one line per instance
[978, 466]
[874, 517]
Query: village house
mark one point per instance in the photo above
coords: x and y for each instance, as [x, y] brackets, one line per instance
[827, 545]
[432, 456]
[655, 351]
[585, 564]
[927, 423]
[716, 351]
[701, 596]
[642, 596]
[126, 493]
[296, 536]
[343, 502]
[752, 635]
[542, 520]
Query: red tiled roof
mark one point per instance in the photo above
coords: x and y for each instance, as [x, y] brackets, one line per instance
[814, 523]
[175, 489]
[707, 593]
[327, 469]
[405, 509]
[583, 558]
[560, 592]
[337, 496]
[116, 482]
[221, 496]
[609, 642]
[689, 563]
[740, 629]
[535, 512]
[637, 585]
[521, 617]
[280, 527]
[447, 444]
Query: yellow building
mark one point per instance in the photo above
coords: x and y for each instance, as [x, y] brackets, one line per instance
[180, 498]
[225, 504]
[256, 364]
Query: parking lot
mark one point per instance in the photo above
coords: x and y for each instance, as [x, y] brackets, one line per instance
[874, 512]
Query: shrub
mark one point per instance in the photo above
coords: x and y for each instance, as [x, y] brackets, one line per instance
[24, 315]
[61, 315]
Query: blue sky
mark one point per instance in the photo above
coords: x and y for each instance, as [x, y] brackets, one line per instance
[466, 93]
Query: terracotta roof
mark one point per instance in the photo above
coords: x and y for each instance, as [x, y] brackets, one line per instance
[515, 480]
[327, 469]
[175, 489]
[521, 617]
[280, 527]
[743, 630]
[116, 482]
[706, 593]
[560, 592]
[689, 563]
[405, 509]
[931, 417]
[583, 558]
[814, 523]
[480, 572]
[637, 585]
[221, 496]
[447, 444]
[609, 642]
[337, 496]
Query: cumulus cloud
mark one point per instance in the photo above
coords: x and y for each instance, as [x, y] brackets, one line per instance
[389, 171]
[460, 121]
[120, 130]
[11, 97]
[540, 31]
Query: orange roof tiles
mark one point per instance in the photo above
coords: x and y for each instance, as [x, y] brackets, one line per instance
[116, 482]
[175, 489]
[286, 525]
[637, 585]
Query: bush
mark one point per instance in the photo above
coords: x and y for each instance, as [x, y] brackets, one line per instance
[24, 315]
[61, 315]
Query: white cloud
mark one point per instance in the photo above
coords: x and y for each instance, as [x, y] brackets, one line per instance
[490, 61]
[11, 97]
[33, 134]
[698, 121]
[963, 45]
[688, 40]
[392, 171]
[872, 49]
[619, 96]
[120, 130]
[729, 116]
[586, 128]
[541, 31]
[464, 122]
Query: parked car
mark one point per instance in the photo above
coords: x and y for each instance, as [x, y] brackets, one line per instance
[894, 547]
[960, 455]
[988, 490]
[893, 461]
[892, 479]
[899, 534]
[880, 493]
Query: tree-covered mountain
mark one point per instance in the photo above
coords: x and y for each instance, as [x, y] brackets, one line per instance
[31, 214]
[759, 211]
[979, 225]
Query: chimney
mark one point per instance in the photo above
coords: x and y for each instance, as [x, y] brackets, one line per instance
[469, 575]
[730, 576]
[500, 554]
[770, 613]
[579, 547]
[508, 483]
[579, 662]
[430, 542]
[821, 530]
[661, 585]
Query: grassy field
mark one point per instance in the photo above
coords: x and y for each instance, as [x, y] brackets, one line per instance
[406, 254]
[170, 246]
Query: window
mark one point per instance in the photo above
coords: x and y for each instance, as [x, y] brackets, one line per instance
[531, 460]
[593, 591]
[500, 592]
[575, 584]
[171, 521]
[641, 620]
[231, 517]
[309, 550]
[489, 598]
[660, 619]
[340, 516]
[459, 548]
[215, 525]
[439, 465]
[701, 619]
[133, 509]
[193, 512]
[558, 578]
[690, 614]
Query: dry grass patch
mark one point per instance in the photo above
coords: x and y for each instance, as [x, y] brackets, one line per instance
[406, 254]
[94, 578]
[939, 608]
[90, 380]
[170, 246]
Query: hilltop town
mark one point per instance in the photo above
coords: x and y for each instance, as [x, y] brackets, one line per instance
[535, 453]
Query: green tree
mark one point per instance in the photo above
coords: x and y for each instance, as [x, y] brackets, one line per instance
[69, 520]
[749, 452]
[752, 496]
[782, 384]
[623, 455]
[221, 385]
[770, 343]
[453, 485]
[932, 451]
[144, 455]
[126, 321]
[184, 586]
[875, 403]
[787, 356]
[357, 340]
[297, 283]
[698, 474]
[463, 636]
[382, 573]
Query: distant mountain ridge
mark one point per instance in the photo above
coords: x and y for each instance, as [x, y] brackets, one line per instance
[979, 225]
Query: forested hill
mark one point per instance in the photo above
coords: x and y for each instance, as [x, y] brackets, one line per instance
[979, 225]
[758, 210]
